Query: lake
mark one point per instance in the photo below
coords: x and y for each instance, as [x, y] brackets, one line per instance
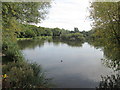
[69, 64]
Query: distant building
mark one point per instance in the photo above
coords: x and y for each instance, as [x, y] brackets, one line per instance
[76, 29]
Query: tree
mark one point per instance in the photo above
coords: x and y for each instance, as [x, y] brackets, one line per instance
[56, 32]
[14, 14]
[106, 18]
[73, 36]
[25, 11]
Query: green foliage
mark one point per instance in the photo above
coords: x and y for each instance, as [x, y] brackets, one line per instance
[56, 32]
[48, 32]
[31, 31]
[106, 31]
[14, 14]
[25, 11]
[106, 20]
[11, 51]
[63, 31]
[111, 52]
[24, 75]
[73, 36]
[112, 56]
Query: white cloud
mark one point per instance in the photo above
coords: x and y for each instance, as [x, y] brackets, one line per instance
[68, 14]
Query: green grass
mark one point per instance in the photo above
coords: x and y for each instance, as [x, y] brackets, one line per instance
[39, 37]
[22, 74]
[24, 38]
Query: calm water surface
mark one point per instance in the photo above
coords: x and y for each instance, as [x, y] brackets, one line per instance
[70, 66]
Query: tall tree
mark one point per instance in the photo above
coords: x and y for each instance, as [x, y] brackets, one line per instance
[14, 14]
[106, 16]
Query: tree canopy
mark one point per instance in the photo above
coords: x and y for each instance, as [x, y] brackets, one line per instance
[14, 15]
[106, 16]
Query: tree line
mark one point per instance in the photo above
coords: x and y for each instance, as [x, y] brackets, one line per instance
[16, 20]
[32, 31]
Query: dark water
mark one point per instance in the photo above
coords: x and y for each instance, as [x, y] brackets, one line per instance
[70, 64]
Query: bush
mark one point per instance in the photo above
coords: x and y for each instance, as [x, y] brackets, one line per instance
[72, 36]
[29, 34]
[11, 51]
[24, 75]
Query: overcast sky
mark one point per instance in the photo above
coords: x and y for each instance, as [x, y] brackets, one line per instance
[68, 14]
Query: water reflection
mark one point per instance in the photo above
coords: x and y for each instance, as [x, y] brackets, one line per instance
[110, 81]
[81, 64]
[31, 44]
[112, 60]
[70, 43]
[56, 41]
[111, 53]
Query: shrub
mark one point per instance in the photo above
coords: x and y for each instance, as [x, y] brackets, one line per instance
[11, 51]
[73, 36]
[24, 75]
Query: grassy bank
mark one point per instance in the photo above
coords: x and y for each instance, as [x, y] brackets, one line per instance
[24, 38]
[40, 37]
[22, 74]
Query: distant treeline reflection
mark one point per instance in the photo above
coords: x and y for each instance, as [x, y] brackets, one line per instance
[56, 40]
